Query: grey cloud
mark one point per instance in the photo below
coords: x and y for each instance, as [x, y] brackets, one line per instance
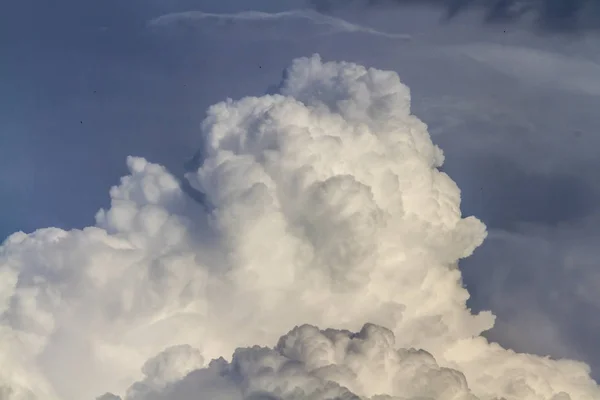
[553, 15]
[509, 195]
[108, 396]
[542, 284]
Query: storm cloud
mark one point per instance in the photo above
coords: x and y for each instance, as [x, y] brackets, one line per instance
[553, 15]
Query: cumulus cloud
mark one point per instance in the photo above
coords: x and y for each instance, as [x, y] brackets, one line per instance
[324, 207]
[309, 363]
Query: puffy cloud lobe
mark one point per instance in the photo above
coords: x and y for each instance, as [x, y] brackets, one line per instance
[324, 206]
[169, 366]
[308, 363]
[108, 396]
[80, 297]
[369, 364]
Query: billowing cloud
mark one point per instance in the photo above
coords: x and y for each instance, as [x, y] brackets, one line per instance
[324, 207]
[308, 363]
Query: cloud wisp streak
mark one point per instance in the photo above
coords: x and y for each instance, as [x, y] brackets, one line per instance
[541, 68]
[336, 24]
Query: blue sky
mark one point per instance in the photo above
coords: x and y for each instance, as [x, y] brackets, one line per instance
[85, 84]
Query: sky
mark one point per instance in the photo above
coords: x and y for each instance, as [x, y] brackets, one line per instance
[512, 104]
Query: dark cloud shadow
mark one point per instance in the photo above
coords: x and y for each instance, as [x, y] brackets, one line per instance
[537, 270]
[507, 195]
[542, 286]
[549, 15]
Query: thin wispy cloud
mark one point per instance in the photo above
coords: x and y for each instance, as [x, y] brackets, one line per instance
[539, 67]
[337, 25]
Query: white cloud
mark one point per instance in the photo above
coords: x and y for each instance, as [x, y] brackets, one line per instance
[170, 366]
[326, 208]
[334, 24]
[308, 363]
